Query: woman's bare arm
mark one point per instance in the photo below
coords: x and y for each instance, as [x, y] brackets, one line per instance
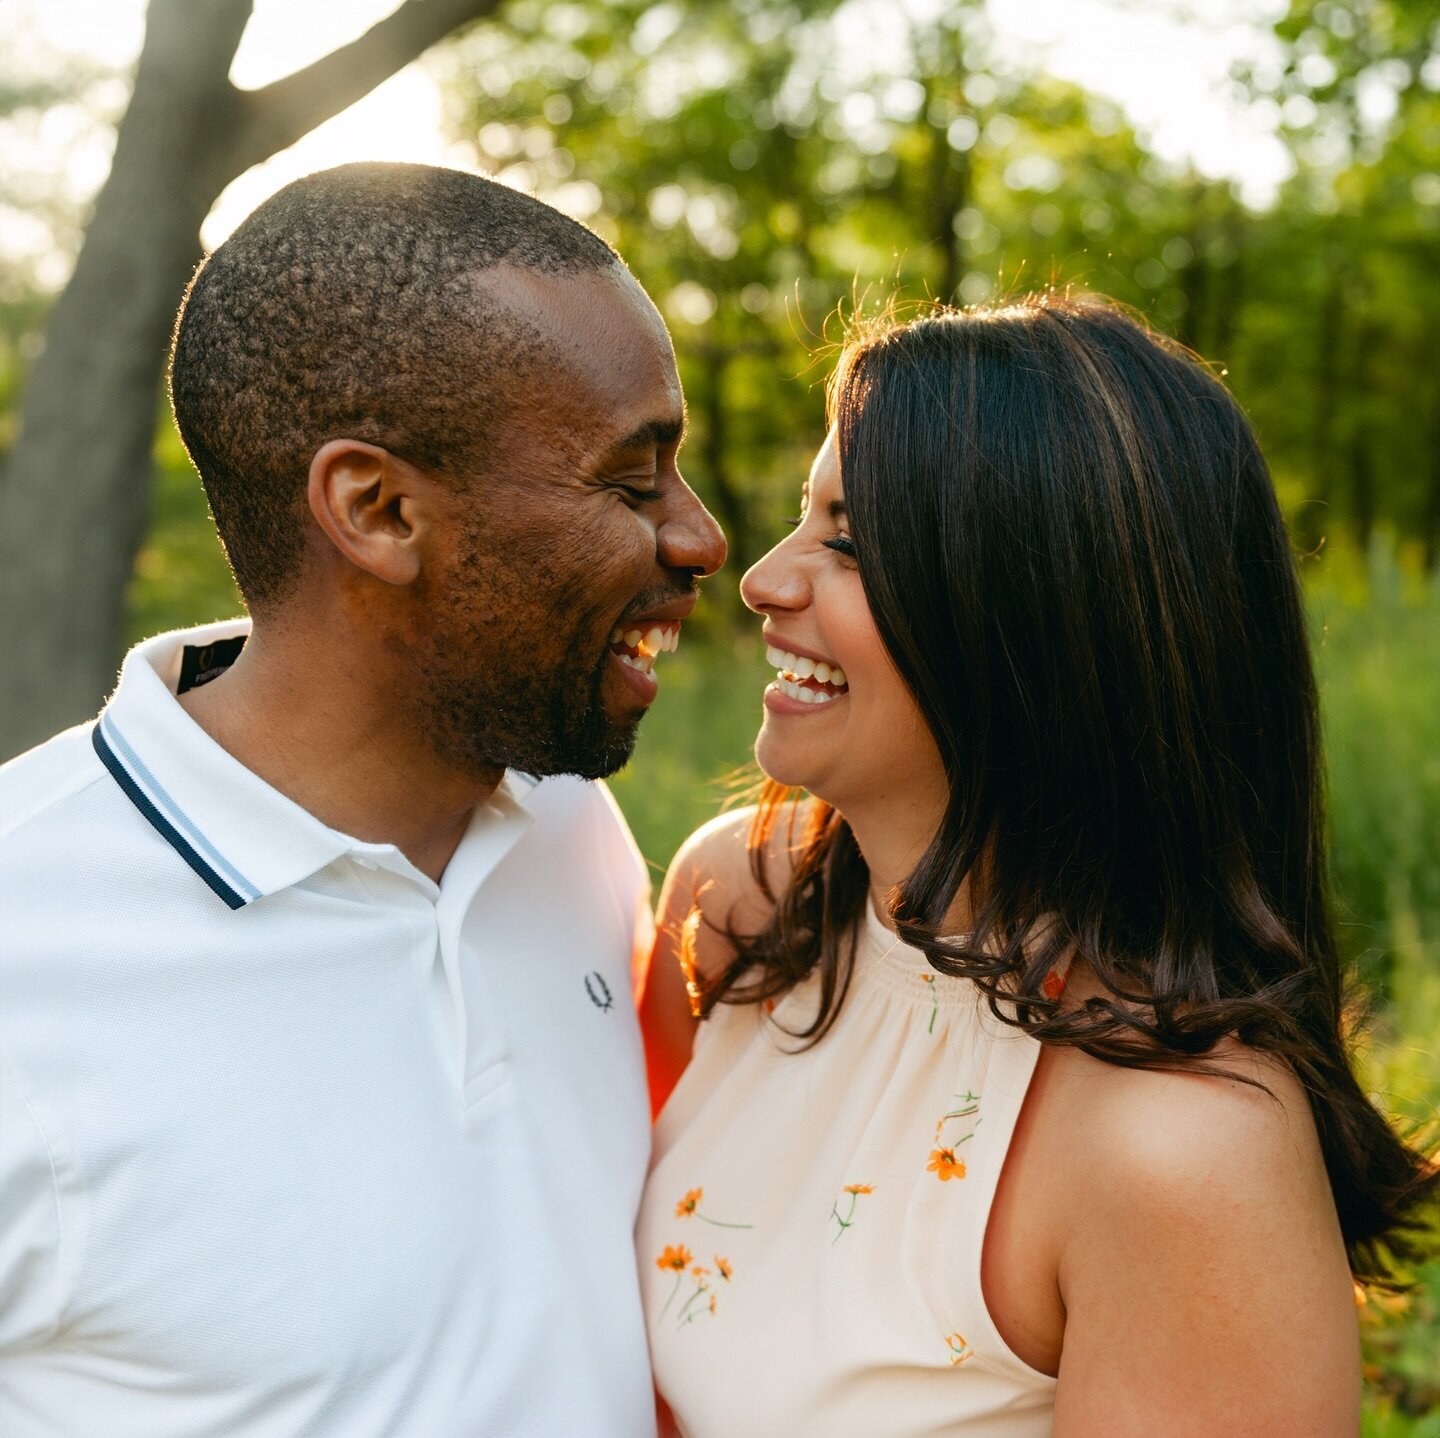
[1201, 1269]
[710, 887]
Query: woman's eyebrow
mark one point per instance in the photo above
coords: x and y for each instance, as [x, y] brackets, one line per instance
[837, 509]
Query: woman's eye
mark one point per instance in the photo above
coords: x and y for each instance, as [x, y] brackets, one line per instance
[841, 544]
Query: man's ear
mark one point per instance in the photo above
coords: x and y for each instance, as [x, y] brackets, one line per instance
[371, 506]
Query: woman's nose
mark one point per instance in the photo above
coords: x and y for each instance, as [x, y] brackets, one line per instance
[774, 582]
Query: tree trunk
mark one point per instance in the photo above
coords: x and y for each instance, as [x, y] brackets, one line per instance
[74, 496]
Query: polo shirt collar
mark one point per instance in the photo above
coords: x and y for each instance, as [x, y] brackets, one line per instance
[242, 837]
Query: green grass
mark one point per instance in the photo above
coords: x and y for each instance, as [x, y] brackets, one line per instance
[1377, 648]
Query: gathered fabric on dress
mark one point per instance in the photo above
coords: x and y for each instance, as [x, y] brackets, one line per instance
[811, 1232]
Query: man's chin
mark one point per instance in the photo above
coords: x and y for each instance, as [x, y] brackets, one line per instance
[614, 755]
[595, 756]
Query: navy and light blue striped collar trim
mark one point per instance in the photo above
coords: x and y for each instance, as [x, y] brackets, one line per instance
[166, 816]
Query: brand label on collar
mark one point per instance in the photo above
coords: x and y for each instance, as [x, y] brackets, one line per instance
[200, 663]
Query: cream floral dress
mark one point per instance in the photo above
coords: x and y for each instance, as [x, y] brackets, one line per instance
[811, 1231]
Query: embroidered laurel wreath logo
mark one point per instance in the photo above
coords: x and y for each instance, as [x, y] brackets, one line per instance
[599, 991]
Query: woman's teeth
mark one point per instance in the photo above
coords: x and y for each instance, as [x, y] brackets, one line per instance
[647, 643]
[804, 695]
[796, 674]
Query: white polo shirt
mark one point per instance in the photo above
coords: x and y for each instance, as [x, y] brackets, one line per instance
[294, 1141]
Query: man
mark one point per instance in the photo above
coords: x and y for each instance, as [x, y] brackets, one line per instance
[322, 1108]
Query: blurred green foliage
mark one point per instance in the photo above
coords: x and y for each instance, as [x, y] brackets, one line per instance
[760, 168]
[181, 577]
[1377, 648]
[1377, 645]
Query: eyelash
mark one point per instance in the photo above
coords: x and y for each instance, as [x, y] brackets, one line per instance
[639, 496]
[841, 543]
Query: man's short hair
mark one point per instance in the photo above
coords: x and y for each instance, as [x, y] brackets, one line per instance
[345, 307]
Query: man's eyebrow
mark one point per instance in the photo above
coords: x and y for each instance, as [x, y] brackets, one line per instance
[656, 432]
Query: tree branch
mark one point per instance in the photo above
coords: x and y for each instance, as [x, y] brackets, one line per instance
[290, 108]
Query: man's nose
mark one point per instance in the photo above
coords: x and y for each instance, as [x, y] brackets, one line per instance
[688, 537]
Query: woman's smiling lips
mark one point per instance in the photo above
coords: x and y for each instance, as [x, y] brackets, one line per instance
[804, 682]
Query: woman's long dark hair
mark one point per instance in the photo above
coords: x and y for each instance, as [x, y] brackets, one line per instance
[1071, 548]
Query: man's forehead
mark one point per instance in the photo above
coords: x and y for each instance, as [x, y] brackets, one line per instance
[601, 376]
[575, 310]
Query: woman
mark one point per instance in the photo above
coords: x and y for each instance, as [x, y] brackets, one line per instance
[1020, 1104]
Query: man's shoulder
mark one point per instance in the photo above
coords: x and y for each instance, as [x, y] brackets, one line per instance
[36, 783]
[562, 799]
[581, 813]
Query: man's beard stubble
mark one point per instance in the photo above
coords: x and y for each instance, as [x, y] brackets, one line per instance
[500, 713]
[537, 722]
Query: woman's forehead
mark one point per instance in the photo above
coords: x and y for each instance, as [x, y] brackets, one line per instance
[824, 479]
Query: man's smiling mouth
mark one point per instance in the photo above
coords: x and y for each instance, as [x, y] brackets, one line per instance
[637, 648]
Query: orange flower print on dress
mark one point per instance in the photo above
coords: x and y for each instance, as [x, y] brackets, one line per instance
[689, 1312]
[689, 1207]
[676, 1258]
[855, 1191]
[960, 1350]
[944, 1163]
[700, 1276]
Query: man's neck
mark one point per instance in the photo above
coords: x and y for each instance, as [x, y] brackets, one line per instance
[309, 728]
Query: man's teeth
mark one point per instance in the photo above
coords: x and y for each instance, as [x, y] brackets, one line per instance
[794, 667]
[657, 639]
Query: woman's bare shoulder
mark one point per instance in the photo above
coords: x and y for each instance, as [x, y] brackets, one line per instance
[714, 872]
[711, 892]
[1199, 1221]
[1250, 1113]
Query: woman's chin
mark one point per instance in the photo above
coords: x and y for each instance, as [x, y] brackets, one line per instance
[785, 762]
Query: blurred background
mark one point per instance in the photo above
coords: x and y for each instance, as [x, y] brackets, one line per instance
[1261, 178]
